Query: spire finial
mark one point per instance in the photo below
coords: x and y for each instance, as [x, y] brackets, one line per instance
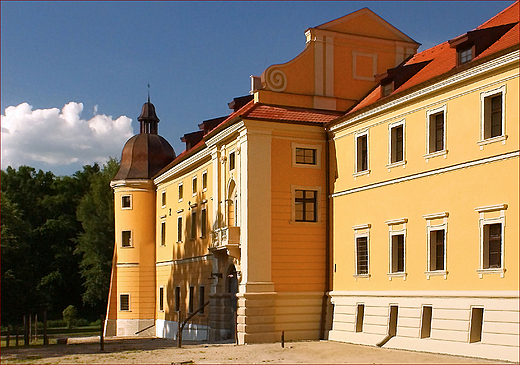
[148, 92]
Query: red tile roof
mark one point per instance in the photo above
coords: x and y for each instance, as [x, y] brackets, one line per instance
[443, 59]
[288, 114]
[264, 112]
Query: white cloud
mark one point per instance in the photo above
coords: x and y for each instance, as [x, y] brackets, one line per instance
[60, 137]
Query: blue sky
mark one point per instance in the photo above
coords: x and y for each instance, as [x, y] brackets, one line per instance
[98, 57]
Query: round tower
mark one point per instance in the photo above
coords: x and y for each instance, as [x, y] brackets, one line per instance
[131, 304]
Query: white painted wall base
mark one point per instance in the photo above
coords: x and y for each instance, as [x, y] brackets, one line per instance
[168, 329]
[129, 327]
[450, 325]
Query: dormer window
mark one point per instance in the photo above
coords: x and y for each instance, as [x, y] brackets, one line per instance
[387, 89]
[465, 55]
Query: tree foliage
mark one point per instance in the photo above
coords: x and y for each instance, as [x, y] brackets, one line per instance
[40, 265]
[95, 243]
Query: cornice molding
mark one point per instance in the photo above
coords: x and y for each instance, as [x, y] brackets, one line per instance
[480, 69]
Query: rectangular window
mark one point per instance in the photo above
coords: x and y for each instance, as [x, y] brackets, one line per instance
[362, 153]
[203, 222]
[163, 199]
[179, 229]
[465, 55]
[181, 188]
[493, 116]
[126, 202]
[437, 249]
[193, 225]
[305, 206]
[190, 302]
[436, 142]
[124, 302]
[163, 233]
[204, 180]
[306, 156]
[426, 322]
[492, 249]
[397, 251]
[201, 298]
[231, 161]
[126, 239]
[397, 144]
[177, 298]
[194, 185]
[392, 320]
[359, 317]
[362, 255]
[161, 298]
[387, 89]
[477, 317]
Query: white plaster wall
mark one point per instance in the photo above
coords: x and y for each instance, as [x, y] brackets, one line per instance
[168, 329]
[451, 316]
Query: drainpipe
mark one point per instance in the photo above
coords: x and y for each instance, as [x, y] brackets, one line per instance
[325, 300]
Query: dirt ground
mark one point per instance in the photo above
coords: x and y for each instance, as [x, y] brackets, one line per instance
[161, 351]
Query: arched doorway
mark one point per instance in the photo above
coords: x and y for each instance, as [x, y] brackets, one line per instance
[231, 204]
[232, 290]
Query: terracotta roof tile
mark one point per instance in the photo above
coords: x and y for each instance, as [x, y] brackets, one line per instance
[443, 59]
[278, 113]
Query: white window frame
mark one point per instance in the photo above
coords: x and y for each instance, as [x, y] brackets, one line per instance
[393, 231]
[484, 221]
[391, 126]
[129, 303]
[161, 232]
[159, 299]
[182, 228]
[483, 96]
[131, 202]
[131, 238]
[194, 191]
[293, 204]
[179, 187]
[360, 231]
[316, 147]
[444, 151]
[193, 235]
[204, 174]
[356, 136]
[163, 199]
[436, 227]
[234, 153]
[204, 225]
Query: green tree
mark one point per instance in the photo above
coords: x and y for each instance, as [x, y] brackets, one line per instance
[96, 243]
[70, 314]
[14, 249]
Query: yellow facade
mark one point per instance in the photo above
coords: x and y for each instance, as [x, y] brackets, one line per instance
[337, 201]
[467, 186]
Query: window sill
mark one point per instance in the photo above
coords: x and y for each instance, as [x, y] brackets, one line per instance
[492, 140]
[361, 276]
[305, 222]
[396, 164]
[435, 154]
[397, 275]
[127, 247]
[361, 173]
[306, 165]
[500, 271]
[436, 273]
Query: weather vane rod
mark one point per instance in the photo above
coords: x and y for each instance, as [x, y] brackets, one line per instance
[148, 92]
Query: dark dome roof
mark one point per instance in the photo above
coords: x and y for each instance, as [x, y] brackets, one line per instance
[143, 156]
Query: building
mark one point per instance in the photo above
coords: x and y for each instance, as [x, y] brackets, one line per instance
[426, 201]
[320, 206]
